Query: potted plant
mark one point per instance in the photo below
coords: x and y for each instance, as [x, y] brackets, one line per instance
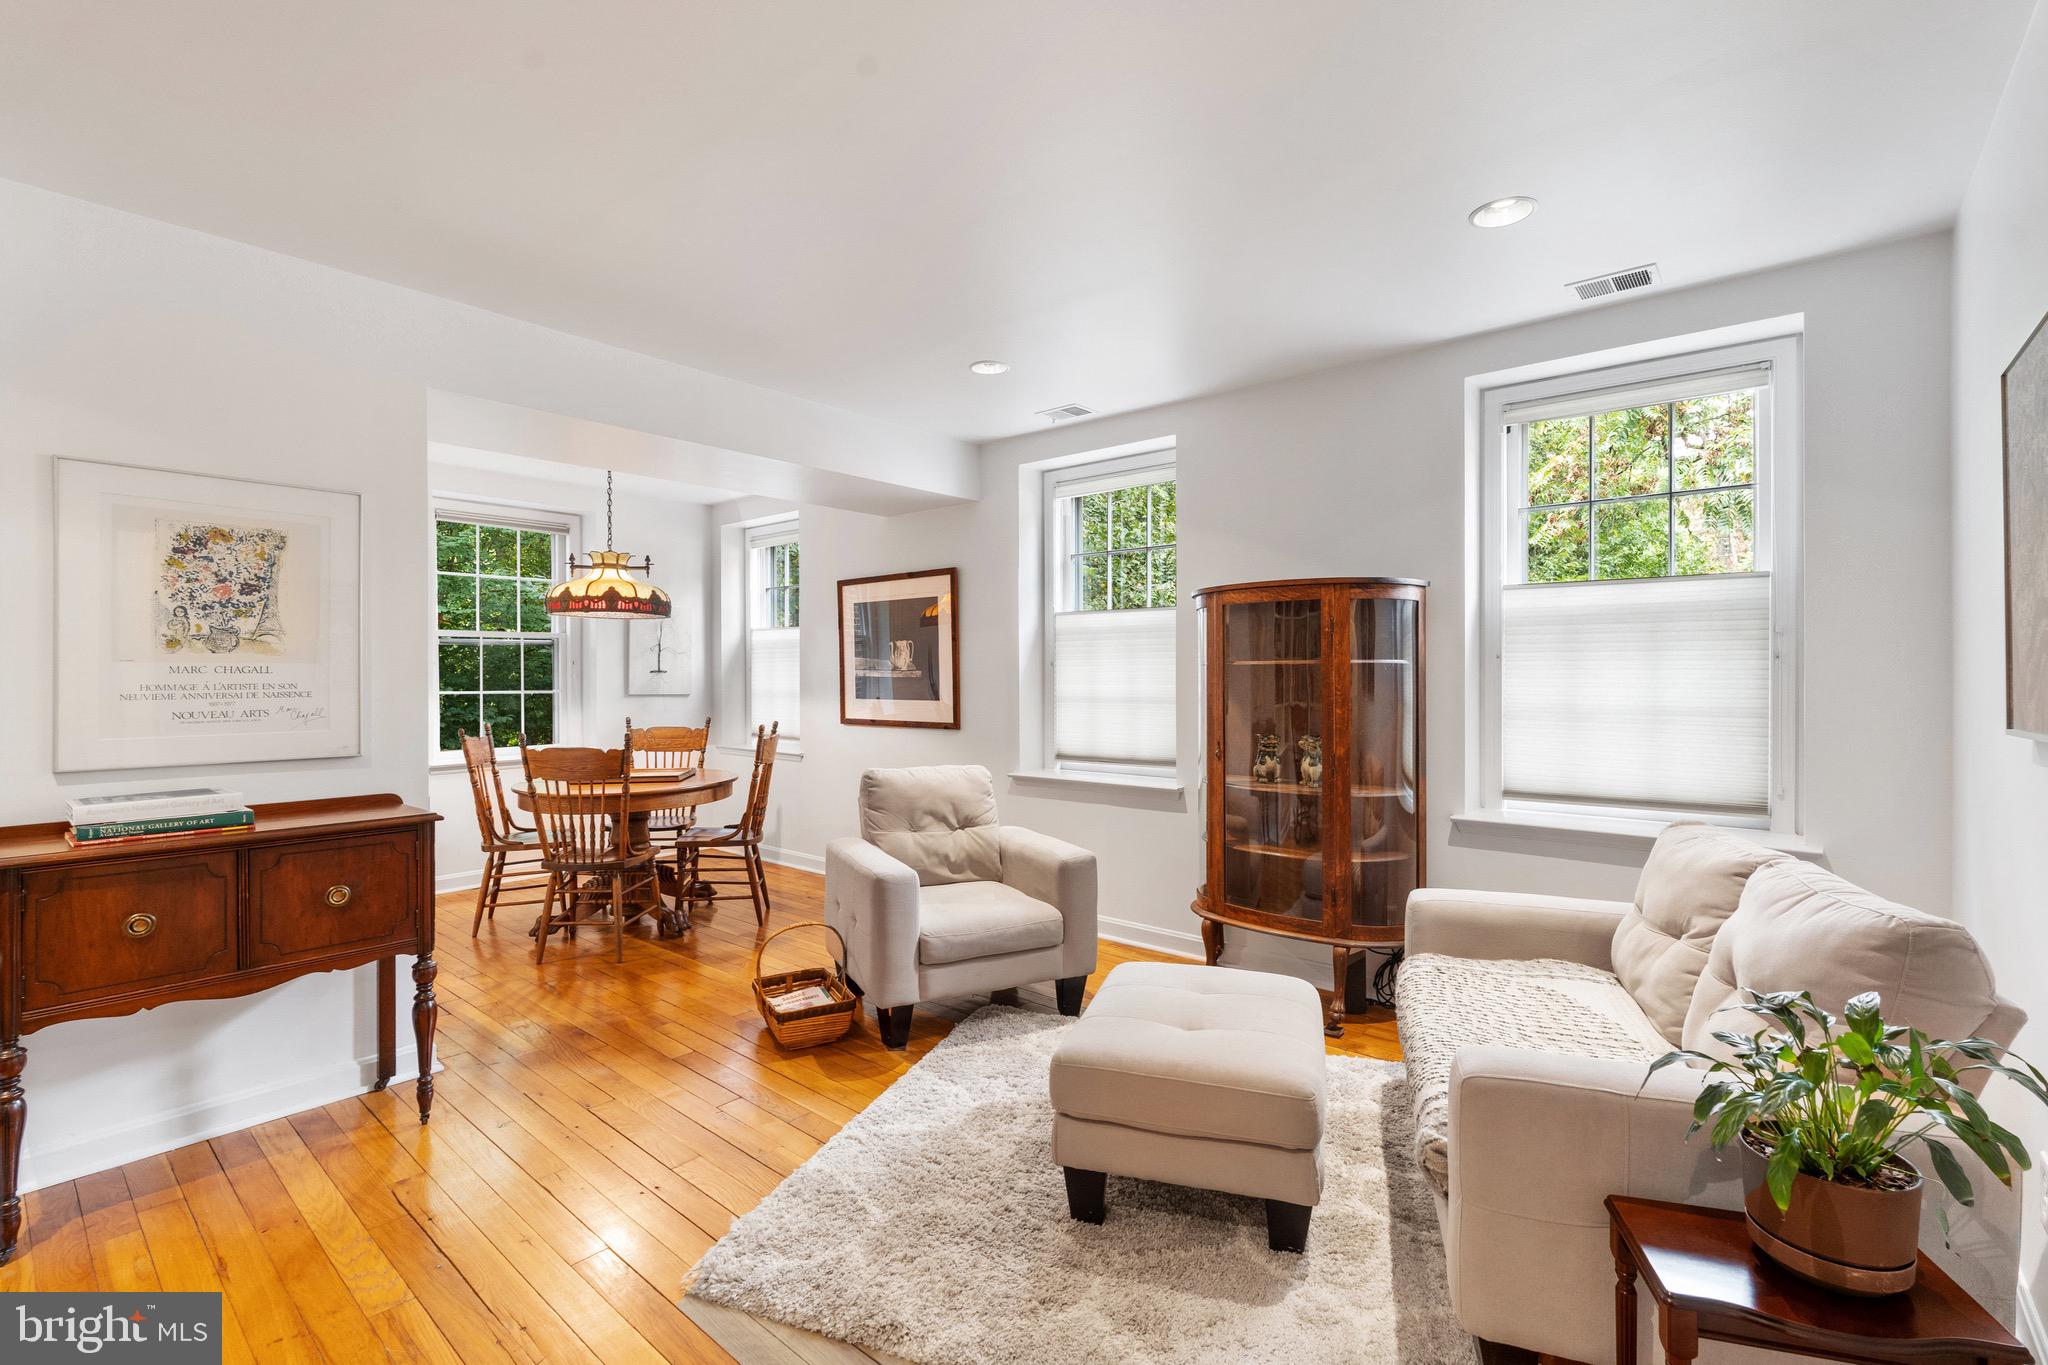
[1824, 1114]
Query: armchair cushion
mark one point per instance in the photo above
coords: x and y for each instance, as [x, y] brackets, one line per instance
[1802, 927]
[1690, 885]
[940, 821]
[1542, 1005]
[963, 920]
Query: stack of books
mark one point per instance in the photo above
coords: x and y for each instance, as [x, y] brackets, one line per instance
[98, 820]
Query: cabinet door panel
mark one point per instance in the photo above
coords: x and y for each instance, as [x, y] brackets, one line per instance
[311, 900]
[116, 928]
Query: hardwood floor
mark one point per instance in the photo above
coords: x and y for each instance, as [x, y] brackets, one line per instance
[597, 1126]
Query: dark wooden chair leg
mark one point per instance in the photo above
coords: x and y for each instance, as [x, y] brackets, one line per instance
[1068, 991]
[895, 1027]
[1085, 1202]
[426, 1013]
[1287, 1225]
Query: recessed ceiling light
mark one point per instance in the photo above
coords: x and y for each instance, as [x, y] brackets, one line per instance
[988, 367]
[1502, 212]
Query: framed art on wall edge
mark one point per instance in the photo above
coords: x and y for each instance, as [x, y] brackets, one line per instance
[899, 650]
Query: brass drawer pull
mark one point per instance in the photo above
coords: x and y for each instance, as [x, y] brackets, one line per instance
[139, 925]
[338, 896]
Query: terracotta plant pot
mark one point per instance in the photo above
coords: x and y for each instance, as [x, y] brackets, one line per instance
[1855, 1238]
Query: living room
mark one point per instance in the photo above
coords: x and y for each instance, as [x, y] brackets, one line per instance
[1068, 478]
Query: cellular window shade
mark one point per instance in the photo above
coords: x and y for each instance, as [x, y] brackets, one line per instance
[1113, 686]
[1650, 693]
[772, 678]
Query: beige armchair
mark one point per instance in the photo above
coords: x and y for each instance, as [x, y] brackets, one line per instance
[1529, 1022]
[936, 898]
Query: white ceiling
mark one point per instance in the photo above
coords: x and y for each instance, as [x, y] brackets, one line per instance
[1131, 203]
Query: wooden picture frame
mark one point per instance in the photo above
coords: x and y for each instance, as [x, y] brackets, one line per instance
[2023, 415]
[899, 650]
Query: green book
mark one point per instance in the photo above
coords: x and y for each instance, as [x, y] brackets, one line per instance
[172, 824]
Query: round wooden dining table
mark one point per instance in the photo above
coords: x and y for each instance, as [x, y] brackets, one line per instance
[650, 790]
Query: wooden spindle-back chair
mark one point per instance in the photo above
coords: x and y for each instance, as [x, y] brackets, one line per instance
[680, 747]
[736, 848]
[581, 806]
[511, 849]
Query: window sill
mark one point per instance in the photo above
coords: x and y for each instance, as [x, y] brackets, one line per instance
[1172, 786]
[785, 749]
[1613, 831]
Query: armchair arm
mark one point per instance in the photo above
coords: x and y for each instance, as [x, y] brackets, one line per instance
[1511, 925]
[1063, 876]
[871, 899]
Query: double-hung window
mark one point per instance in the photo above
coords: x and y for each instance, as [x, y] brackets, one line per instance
[1640, 606]
[1111, 555]
[773, 583]
[499, 657]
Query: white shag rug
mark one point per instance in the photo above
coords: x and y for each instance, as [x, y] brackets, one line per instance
[935, 1226]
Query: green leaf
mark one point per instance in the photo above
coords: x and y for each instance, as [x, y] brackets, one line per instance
[1871, 1119]
[1710, 1096]
[1857, 1049]
[1864, 1020]
[1953, 1177]
[1781, 1169]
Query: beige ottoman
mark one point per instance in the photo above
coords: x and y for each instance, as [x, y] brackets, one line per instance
[1202, 1076]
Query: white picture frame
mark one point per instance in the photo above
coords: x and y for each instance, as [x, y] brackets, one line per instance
[658, 659]
[203, 620]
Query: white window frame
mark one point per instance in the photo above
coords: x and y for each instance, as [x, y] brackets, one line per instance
[1062, 485]
[1778, 547]
[567, 527]
[760, 538]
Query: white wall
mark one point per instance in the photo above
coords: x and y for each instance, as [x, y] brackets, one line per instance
[130, 340]
[1361, 471]
[678, 537]
[2001, 782]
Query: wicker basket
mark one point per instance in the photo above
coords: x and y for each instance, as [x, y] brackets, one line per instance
[814, 1024]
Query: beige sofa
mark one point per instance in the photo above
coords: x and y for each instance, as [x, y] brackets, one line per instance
[1529, 1022]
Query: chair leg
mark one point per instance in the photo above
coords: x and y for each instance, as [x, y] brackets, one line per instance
[1085, 1201]
[761, 871]
[1287, 1225]
[619, 916]
[483, 893]
[1067, 990]
[895, 1027]
[754, 887]
[547, 922]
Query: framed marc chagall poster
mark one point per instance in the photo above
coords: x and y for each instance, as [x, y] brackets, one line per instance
[899, 650]
[203, 620]
[2023, 393]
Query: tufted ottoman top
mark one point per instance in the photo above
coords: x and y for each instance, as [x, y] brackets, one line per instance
[1207, 1052]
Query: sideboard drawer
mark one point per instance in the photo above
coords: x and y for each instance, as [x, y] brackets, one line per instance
[314, 899]
[114, 928]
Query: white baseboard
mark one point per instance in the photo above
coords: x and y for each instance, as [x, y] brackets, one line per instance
[457, 881]
[121, 1143]
[1174, 942]
[786, 857]
[2027, 1326]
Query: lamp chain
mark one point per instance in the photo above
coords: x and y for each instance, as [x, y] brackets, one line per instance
[607, 510]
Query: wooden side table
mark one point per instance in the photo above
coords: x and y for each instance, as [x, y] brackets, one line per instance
[1709, 1284]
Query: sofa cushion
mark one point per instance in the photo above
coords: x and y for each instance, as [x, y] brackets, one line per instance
[1690, 885]
[962, 920]
[1802, 928]
[941, 821]
[1545, 1005]
[1203, 1052]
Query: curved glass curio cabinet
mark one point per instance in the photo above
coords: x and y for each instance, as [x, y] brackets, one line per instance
[1313, 792]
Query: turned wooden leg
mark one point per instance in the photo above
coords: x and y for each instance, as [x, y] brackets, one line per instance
[13, 1119]
[1067, 990]
[387, 1021]
[425, 1014]
[1624, 1299]
[1340, 964]
[484, 899]
[895, 1027]
[1212, 940]
[1287, 1225]
[1085, 1201]
[1681, 1332]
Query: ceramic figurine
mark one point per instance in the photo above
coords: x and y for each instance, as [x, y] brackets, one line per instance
[1267, 766]
[1311, 760]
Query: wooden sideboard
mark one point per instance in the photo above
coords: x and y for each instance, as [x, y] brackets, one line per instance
[313, 886]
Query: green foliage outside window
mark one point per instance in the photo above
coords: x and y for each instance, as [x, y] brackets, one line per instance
[1645, 492]
[1124, 554]
[496, 654]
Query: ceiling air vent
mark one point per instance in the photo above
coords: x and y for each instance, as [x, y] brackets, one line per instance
[1065, 412]
[1600, 286]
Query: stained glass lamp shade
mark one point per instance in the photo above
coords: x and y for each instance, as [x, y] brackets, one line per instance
[603, 584]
